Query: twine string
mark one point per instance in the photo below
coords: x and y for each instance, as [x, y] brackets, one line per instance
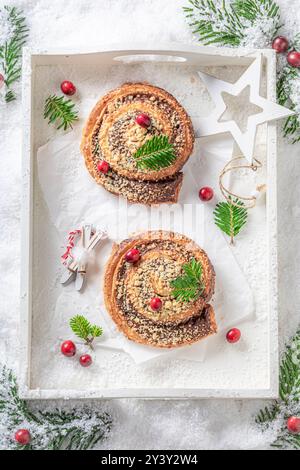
[230, 196]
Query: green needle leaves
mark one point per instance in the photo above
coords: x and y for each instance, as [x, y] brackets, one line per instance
[11, 50]
[289, 398]
[189, 286]
[60, 110]
[84, 330]
[228, 23]
[230, 217]
[156, 153]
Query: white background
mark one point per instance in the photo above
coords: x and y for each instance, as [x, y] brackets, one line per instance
[143, 424]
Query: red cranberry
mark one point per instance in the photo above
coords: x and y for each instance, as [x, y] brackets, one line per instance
[68, 348]
[233, 335]
[85, 360]
[293, 425]
[155, 303]
[103, 166]
[206, 194]
[132, 256]
[22, 436]
[280, 44]
[143, 120]
[68, 88]
[293, 58]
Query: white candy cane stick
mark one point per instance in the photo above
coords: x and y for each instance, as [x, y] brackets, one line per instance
[81, 270]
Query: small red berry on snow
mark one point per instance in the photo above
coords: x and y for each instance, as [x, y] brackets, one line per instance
[280, 44]
[103, 166]
[155, 303]
[22, 436]
[293, 58]
[1, 80]
[68, 88]
[206, 193]
[68, 348]
[85, 360]
[293, 425]
[143, 120]
[132, 256]
[233, 335]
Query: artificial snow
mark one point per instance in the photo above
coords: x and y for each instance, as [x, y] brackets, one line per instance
[6, 29]
[211, 424]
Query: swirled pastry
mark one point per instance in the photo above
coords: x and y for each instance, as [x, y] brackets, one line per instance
[130, 287]
[113, 135]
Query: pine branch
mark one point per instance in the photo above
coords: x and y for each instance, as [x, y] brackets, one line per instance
[252, 10]
[60, 110]
[11, 51]
[266, 415]
[289, 402]
[189, 286]
[155, 153]
[295, 43]
[230, 218]
[227, 23]
[84, 330]
[214, 22]
[287, 82]
[75, 429]
[10, 96]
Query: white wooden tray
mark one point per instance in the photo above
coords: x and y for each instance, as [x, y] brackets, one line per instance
[255, 373]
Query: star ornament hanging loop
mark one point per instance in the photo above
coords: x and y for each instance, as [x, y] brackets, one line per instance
[213, 124]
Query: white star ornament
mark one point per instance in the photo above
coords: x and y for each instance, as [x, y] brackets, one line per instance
[213, 125]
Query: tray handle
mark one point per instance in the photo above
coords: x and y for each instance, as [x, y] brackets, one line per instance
[150, 56]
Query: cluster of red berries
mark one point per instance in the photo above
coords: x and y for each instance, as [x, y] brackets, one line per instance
[281, 45]
[68, 349]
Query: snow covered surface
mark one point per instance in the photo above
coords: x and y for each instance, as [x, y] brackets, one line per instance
[143, 424]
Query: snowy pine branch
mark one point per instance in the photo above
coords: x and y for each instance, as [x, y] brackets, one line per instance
[234, 23]
[78, 428]
[288, 94]
[289, 402]
[214, 23]
[11, 48]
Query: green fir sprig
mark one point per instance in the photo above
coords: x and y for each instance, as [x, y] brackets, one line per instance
[289, 402]
[60, 111]
[85, 330]
[155, 153]
[73, 428]
[214, 22]
[288, 81]
[253, 10]
[190, 285]
[231, 217]
[11, 50]
[226, 23]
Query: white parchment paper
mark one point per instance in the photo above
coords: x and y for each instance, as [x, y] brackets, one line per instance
[73, 197]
